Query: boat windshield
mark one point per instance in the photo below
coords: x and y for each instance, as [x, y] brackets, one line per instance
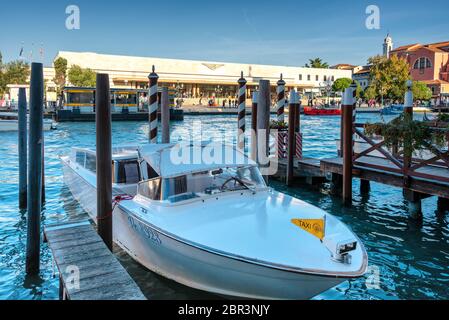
[200, 184]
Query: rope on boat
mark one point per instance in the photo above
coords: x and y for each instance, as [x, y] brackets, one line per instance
[115, 201]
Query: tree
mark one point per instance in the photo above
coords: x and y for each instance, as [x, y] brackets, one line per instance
[60, 78]
[421, 91]
[317, 63]
[388, 77]
[340, 85]
[14, 72]
[80, 77]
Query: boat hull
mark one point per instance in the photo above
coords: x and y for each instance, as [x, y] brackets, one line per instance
[13, 125]
[202, 269]
[321, 112]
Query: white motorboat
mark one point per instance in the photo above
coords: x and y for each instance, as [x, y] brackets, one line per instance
[214, 225]
[9, 122]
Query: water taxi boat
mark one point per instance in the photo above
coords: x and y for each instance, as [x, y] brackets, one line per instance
[322, 111]
[9, 122]
[215, 225]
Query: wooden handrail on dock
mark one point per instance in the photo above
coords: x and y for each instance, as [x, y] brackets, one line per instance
[87, 269]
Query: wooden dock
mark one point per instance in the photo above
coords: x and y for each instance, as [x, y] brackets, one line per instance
[87, 269]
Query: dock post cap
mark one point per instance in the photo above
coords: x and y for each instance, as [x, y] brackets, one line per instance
[408, 99]
[409, 84]
[349, 96]
[255, 96]
[293, 97]
[153, 74]
[281, 81]
[242, 80]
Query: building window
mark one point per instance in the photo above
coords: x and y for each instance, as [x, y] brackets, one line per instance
[333, 78]
[422, 63]
[308, 77]
[300, 77]
[325, 78]
[317, 78]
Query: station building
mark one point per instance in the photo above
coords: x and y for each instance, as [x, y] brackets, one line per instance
[198, 79]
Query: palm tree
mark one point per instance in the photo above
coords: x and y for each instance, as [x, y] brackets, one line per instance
[317, 63]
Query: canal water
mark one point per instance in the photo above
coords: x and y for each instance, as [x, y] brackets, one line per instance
[408, 260]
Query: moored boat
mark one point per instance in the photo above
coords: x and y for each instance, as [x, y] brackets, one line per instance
[213, 224]
[9, 122]
[321, 111]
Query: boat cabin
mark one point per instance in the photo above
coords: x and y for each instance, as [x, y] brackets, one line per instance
[165, 180]
[125, 166]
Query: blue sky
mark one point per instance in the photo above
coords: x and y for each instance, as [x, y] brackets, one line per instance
[249, 31]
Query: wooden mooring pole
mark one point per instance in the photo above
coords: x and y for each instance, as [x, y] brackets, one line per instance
[414, 199]
[254, 126]
[22, 145]
[104, 159]
[34, 197]
[241, 114]
[348, 140]
[153, 106]
[263, 124]
[165, 115]
[291, 150]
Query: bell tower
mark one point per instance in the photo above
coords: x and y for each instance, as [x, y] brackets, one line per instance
[388, 46]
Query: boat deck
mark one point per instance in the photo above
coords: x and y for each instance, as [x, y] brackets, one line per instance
[77, 248]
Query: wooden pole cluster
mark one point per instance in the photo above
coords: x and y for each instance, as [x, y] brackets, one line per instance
[348, 115]
[34, 197]
[255, 98]
[22, 145]
[153, 106]
[280, 90]
[103, 121]
[241, 113]
[408, 114]
[165, 115]
[292, 121]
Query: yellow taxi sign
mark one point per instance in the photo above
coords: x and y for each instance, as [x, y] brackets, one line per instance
[316, 227]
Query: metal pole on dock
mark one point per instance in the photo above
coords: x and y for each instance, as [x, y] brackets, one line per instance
[280, 90]
[153, 106]
[291, 150]
[254, 126]
[408, 114]
[22, 117]
[241, 113]
[263, 124]
[104, 159]
[348, 140]
[34, 197]
[165, 115]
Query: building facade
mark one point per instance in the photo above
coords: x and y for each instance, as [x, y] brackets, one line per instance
[200, 79]
[428, 63]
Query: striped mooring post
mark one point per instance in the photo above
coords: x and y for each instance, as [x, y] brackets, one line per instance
[348, 108]
[281, 99]
[153, 106]
[241, 113]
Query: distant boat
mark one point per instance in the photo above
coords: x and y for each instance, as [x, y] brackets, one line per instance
[9, 122]
[217, 226]
[322, 111]
[399, 108]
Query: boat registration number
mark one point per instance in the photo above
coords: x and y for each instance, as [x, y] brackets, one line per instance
[148, 232]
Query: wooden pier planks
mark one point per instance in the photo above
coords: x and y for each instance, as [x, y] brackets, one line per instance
[384, 171]
[101, 276]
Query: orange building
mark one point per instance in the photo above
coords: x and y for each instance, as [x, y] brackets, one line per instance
[428, 63]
